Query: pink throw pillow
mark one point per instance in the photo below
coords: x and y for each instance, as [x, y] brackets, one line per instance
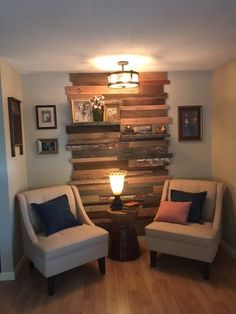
[175, 212]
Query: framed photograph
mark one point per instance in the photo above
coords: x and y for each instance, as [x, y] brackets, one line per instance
[47, 146]
[190, 123]
[111, 112]
[81, 111]
[46, 117]
[14, 108]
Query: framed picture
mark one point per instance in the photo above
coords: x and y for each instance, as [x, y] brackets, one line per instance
[81, 111]
[46, 117]
[14, 108]
[112, 112]
[190, 123]
[47, 146]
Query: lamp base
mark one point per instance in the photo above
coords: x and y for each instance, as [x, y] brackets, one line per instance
[116, 203]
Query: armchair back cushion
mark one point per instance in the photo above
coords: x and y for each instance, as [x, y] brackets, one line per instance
[43, 195]
[194, 186]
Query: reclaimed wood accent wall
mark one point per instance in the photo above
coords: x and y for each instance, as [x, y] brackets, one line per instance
[97, 147]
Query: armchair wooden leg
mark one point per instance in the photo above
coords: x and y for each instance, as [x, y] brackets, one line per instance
[102, 265]
[51, 285]
[153, 258]
[206, 270]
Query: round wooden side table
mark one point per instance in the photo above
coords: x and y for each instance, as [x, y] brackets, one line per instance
[123, 241]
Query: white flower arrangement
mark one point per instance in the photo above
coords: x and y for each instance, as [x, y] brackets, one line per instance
[97, 102]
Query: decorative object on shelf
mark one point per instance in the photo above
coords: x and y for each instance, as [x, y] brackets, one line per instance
[190, 123]
[81, 110]
[161, 129]
[47, 146]
[129, 130]
[131, 205]
[46, 117]
[112, 112]
[145, 129]
[117, 178]
[97, 104]
[14, 108]
[123, 79]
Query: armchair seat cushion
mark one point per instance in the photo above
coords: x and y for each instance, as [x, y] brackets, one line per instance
[193, 233]
[68, 241]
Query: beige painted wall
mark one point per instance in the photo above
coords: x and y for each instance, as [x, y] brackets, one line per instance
[224, 143]
[11, 248]
[46, 89]
[191, 159]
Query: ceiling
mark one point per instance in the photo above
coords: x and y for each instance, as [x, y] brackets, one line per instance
[92, 35]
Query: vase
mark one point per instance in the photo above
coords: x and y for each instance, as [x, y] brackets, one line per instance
[97, 114]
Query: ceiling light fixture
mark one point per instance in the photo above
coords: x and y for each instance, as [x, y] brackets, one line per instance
[123, 79]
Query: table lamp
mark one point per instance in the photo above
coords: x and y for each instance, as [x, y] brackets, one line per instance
[117, 178]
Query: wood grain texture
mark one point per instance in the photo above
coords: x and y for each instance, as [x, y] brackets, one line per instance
[146, 121]
[89, 79]
[175, 285]
[98, 147]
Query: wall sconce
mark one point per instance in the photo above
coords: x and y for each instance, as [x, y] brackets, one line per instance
[117, 178]
[123, 79]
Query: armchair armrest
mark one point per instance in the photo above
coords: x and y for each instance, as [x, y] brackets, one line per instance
[218, 207]
[80, 208]
[26, 219]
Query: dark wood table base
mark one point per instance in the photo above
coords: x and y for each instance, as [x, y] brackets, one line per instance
[123, 242]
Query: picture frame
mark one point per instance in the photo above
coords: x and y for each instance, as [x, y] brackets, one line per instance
[190, 123]
[47, 146]
[111, 112]
[46, 117]
[81, 111]
[14, 109]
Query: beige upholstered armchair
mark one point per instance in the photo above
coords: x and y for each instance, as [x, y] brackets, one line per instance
[65, 249]
[195, 241]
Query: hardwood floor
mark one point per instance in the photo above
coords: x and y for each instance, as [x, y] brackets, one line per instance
[174, 286]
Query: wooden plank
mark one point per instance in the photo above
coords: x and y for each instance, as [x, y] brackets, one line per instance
[122, 146]
[95, 136]
[146, 121]
[92, 159]
[157, 189]
[144, 107]
[150, 179]
[92, 141]
[101, 78]
[103, 173]
[159, 96]
[142, 101]
[88, 78]
[90, 181]
[143, 114]
[122, 153]
[140, 179]
[121, 164]
[98, 90]
[142, 137]
[149, 162]
[149, 143]
[92, 127]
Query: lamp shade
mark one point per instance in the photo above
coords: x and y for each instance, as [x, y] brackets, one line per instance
[117, 178]
[123, 79]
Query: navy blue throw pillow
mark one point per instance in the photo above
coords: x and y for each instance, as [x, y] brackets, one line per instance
[197, 199]
[55, 215]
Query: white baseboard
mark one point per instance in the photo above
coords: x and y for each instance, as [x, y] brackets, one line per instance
[229, 249]
[7, 276]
